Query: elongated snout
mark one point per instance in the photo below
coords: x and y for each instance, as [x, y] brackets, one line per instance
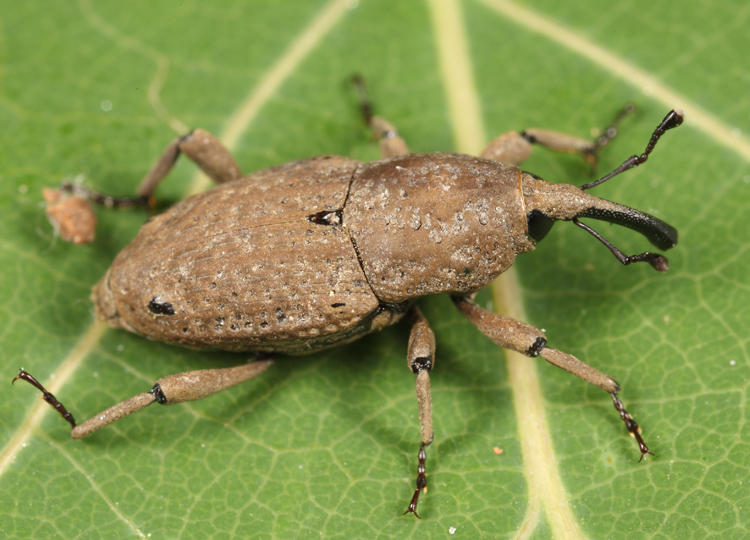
[546, 202]
[659, 233]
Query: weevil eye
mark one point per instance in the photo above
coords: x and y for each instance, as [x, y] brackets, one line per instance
[538, 225]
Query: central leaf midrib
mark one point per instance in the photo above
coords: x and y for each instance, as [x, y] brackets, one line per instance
[544, 483]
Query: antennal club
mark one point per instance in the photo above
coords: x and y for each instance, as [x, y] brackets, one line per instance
[671, 120]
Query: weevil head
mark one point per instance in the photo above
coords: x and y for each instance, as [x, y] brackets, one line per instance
[546, 203]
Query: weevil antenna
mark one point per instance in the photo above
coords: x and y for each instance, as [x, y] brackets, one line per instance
[657, 261]
[673, 119]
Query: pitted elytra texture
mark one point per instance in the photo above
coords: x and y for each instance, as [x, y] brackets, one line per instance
[250, 271]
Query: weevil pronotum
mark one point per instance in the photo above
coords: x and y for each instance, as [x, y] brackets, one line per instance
[319, 252]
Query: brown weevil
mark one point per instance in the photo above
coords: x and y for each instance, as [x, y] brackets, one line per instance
[319, 252]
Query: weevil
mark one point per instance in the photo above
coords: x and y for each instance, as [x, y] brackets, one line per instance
[319, 252]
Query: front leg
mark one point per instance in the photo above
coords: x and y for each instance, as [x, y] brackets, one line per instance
[515, 146]
[526, 339]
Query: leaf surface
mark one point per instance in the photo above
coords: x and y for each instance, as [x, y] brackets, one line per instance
[326, 445]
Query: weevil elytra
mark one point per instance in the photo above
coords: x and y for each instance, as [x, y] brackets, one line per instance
[319, 252]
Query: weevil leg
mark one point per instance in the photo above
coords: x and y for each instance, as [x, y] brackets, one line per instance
[420, 359]
[526, 339]
[514, 147]
[204, 150]
[509, 148]
[187, 386]
[199, 145]
[391, 143]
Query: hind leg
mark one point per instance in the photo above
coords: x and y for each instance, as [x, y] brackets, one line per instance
[199, 145]
[187, 386]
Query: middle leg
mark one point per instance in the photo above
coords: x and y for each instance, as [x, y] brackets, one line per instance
[420, 359]
[391, 143]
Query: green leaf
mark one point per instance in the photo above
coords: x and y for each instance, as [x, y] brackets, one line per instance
[327, 445]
